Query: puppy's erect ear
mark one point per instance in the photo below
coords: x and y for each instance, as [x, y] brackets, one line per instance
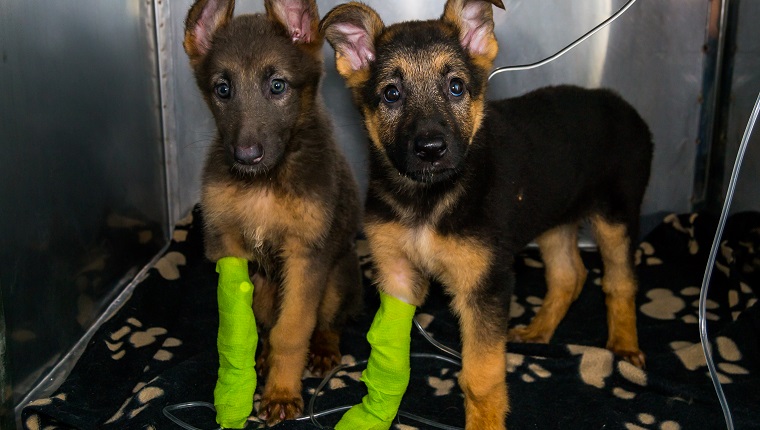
[203, 20]
[352, 29]
[300, 18]
[474, 18]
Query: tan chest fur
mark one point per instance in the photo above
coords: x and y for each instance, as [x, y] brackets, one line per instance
[260, 214]
[459, 262]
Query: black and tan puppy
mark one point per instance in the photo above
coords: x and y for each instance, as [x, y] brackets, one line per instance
[276, 189]
[460, 185]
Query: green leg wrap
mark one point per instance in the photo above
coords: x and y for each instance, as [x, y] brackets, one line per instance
[388, 368]
[236, 341]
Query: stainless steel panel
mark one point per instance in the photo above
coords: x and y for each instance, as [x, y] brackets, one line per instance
[188, 125]
[745, 85]
[6, 402]
[83, 204]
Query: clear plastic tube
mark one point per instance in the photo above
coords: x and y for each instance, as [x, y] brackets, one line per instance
[312, 416]
[187, 405]
[711, 262]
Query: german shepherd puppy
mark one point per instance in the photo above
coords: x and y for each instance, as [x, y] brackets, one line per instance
[276, 189]
[459, 185]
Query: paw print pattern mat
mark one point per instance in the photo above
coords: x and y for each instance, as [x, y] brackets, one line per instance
[160, 348]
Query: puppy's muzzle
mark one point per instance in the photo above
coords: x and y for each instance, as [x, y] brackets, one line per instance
[430, 148]
[249, 155]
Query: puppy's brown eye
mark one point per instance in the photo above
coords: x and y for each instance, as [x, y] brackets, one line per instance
[456, 87]
[391, 94]
[223, 90]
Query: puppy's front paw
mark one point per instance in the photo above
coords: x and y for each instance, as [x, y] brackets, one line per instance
[527, 335]
[636, 358]
[280, 406]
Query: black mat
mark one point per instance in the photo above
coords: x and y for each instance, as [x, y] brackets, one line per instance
[159, 349]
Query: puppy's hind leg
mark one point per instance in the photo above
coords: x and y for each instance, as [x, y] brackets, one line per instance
[619, 286]
[565, 276]
[341, 300]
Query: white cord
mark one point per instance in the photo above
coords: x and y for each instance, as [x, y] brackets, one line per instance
[456, 361]
[711, 261]
[313, 416]
[187, 405]
[567, 48]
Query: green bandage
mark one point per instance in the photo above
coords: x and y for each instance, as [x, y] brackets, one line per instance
[236, 341]
[388, 368]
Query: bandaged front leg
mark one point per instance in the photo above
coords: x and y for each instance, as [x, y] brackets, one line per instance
[236, 341]
[388, 368]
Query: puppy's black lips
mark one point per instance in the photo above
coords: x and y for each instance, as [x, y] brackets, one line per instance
[431, 176]
[247, 169]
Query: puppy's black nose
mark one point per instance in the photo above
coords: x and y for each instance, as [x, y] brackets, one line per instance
[430, 149]
[249, 155]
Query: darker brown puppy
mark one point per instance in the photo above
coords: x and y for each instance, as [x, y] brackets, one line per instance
[459, 185]
[276, 190]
